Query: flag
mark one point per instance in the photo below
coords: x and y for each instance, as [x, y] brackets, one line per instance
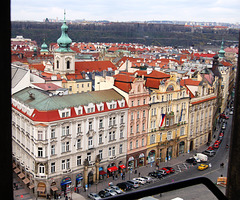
[181, 116]
[162, 120]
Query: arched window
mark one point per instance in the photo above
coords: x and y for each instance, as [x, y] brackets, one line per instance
[68, 64]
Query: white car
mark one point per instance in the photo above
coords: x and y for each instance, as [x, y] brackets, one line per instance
[147, 178]
[94, 196]
[140, 180]
[111, 191]
[231, 112]
[117, 189]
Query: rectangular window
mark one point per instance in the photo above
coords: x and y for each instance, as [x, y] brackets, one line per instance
[169, 135]
[40, 152]
[53, 150]
[90, 142]
[90, 125]
[136, 143]
[110, 121]
[67, 147]
[78, 143]
[100, 123]
[110, 136]
[53, 133]
[63, 147]
[122, 119]
[101, 154]
[67, 130]
[137, 128]
[120, 148]
[143, 126]
[63, 131]
[131, 147]
[63, 165]
[89, 156]
[121, 133]
[113, 151]
[40, 135]
[68, 164]
[142, 142]
[79, 160]
[100, 141]
[52, 167]
[79, 128]
[109, 151]
[144, 113]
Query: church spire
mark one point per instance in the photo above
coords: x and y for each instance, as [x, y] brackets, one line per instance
[221, 53]
[64, 41]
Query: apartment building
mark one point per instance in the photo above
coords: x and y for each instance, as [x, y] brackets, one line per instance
[63, 140]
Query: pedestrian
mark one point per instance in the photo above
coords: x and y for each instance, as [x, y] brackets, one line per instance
[84, 188]
[210, 165]
[135, 171]
[139, 174]
[66, 197]
[113, 176]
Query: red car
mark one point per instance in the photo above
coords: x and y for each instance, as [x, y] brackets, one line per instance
[171, 169]
[221, 135]
[216, 145]
[210, 148]
[166, 170]
[218, 141]
[224, 116]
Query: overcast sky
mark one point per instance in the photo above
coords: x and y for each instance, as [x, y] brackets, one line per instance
[128, 10]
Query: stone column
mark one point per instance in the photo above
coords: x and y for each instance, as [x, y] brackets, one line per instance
[85, 172]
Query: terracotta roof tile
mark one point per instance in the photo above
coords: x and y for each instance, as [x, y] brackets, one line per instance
[90, 66]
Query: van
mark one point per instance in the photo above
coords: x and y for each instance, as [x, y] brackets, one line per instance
[209, 153]
[201, 157]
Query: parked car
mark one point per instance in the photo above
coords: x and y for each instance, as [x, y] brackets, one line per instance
[231, 112]
[166, 170]
[117, 189]
[202, 167]
[171, 169]
[111, 191]
[209, 153]
[155, 174]
[125, 186]
[210, 148]
[134, 183]
[94, 196]
[147, 178]
[216, 145]
[191, 161]
[224, 116]
[223, 126]
[140, 180]
[104, 194]
[162, 172]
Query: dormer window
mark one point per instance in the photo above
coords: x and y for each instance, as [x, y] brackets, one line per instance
[65, 113]
[79, 110]
[90, 108]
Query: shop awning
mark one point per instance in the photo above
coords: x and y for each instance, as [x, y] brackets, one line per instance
[31, 186]
[112, 169]
[102, 172]
[122, 166]
[41, 189]
[21, 175]
[17, 170]
[54, 188]
[26, 181]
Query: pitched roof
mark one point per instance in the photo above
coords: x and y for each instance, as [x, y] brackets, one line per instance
[155, 74]
[126, 87]
[124, 78]
[189, 81]
[43, 102]
[47, 86]
[73, 76]
[90, 66]
[153, 83]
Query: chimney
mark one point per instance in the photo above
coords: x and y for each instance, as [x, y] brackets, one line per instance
[149, 70]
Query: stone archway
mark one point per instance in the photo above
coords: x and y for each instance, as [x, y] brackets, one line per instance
[151, 156]
[181, 147]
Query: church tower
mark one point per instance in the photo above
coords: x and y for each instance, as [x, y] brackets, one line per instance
[64, 57]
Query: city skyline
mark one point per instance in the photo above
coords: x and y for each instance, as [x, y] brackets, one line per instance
[183, 10]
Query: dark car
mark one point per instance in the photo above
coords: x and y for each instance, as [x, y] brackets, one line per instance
[104, 194]
[171, 169]
[155, 174]
[124, 186]
[191, 161]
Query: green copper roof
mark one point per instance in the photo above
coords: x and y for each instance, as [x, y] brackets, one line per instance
[64, 41]
[221, 52]
[42, 101]
[44, 47]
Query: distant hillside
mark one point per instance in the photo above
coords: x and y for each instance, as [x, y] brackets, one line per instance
[149, 34]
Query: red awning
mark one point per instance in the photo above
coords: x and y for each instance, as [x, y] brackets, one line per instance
[122, 166]
[112, 169]
[102, 172]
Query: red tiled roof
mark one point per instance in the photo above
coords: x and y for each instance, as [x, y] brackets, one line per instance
[126, 87]
[189, 81]
[227, 64]
[208, 55]
[74, 76]
[124, 78]
[47, 86]
[37, 66]
[152, 83]
[155, 74]
[90, 66]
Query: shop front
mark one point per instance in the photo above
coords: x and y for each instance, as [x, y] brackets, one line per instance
[66, 185]
[151, 156]
[79, 181]
[41, 189]
[102, 173]
[111, 170]
[131, 162]
[181, 147]
[141, 159]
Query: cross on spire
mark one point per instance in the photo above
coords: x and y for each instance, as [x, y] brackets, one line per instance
[64, 15]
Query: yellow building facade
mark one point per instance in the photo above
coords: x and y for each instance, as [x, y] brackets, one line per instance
[78, 86]
[168, 121]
